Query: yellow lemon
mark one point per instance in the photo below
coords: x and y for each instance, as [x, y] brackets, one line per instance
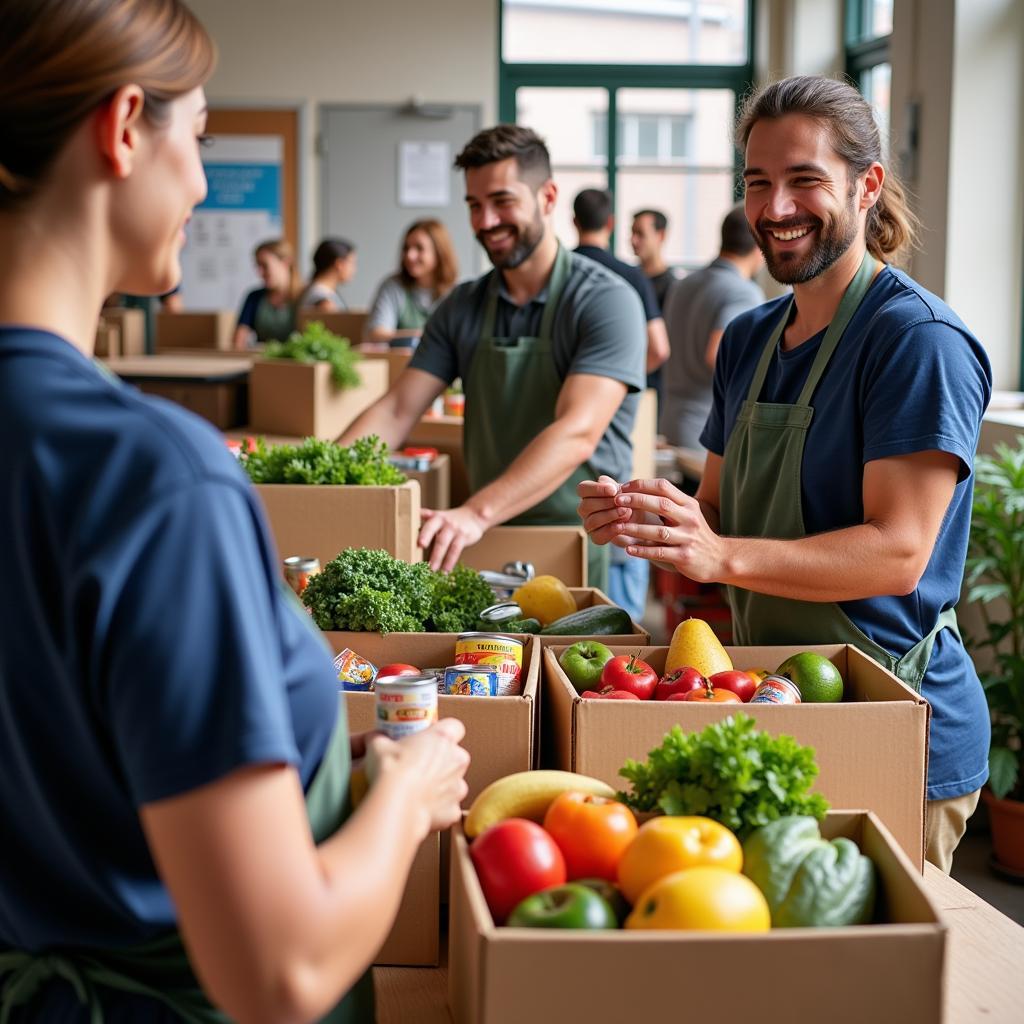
[705, 899]
[545, 598]
[695, 645]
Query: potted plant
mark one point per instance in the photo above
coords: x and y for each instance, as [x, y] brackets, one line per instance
[995, 576]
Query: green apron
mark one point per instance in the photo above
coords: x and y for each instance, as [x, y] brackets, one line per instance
[411, 316]
[273, 323]
[760, 497]
[511, 393]
[160, 969]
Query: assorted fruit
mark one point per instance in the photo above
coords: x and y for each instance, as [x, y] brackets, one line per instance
[592, 866]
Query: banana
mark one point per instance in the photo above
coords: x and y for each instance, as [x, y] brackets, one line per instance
[526, 795]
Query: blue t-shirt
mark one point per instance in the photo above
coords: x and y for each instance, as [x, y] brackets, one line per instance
[908, 376]
[148, 645]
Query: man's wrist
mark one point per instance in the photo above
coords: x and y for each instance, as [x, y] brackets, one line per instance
[481, 511]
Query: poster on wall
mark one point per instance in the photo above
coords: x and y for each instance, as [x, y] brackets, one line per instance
[242, 208]
[424, 173]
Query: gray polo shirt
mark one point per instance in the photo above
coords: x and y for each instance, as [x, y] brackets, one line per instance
[598, 329]
[700, 303]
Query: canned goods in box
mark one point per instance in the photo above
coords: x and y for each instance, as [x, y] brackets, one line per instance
[353, 672]
[298, 570]
[502, 652]
[406, 704]
[776, 690]
[471, 680]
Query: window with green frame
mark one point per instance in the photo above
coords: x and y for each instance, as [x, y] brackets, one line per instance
[868, 35]
[636, 96]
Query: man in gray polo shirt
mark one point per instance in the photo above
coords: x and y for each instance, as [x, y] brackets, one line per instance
[697, 310]
[550, 347]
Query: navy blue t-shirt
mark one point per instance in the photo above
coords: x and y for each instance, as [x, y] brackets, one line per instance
[148, 646]
[907, 377]
[247, 315]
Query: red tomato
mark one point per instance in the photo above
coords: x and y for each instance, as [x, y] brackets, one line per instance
[740, 683]
[710, 695]
[398, 668]
[513, 860]
[609, 694]
[627, 673]
[683, 680]
[592, 832]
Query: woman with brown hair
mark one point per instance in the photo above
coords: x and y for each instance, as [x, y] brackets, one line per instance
[427, 271]
[178, 838]
[334, 264]
[268, 313]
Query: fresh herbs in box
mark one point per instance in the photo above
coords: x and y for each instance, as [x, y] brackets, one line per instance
[316, 344]
[369, 591]
[322, 462]
[731, 772]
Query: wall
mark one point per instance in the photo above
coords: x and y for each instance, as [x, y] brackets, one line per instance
[310, 52]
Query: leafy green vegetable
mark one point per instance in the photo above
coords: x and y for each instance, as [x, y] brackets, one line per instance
[368, 590]
[730, 771]
[316, 344]
[322, 462]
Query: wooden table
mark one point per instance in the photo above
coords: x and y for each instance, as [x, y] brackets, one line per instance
[984, 979]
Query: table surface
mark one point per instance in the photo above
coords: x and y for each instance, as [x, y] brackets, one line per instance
[180, 367]
[984, 978]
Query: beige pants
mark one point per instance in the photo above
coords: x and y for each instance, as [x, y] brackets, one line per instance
[944, 826]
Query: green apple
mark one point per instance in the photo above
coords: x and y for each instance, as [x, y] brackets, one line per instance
[564, 906]
[583, 663]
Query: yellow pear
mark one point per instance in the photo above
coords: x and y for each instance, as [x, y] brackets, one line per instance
[694, 644]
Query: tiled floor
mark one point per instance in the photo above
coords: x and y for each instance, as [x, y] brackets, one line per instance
[970, 865]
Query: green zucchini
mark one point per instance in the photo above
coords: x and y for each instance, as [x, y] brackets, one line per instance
[598, 620]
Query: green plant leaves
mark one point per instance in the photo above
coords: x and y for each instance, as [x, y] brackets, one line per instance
[322, 462]
[316, 344]
[1002, 771]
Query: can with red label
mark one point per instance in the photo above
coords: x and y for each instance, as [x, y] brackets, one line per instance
[406, 704]
[505, 653]
[776, 690]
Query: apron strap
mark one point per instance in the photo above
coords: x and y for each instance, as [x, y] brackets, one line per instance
[556, 285]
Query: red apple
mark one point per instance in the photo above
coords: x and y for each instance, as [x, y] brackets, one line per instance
[682, 680]
[740, 683]
[397, 668]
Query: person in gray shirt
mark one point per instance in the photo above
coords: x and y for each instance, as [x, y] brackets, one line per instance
[697, 311]
[550, 347]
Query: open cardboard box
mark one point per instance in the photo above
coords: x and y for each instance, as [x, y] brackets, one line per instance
[213, 330]
[131, 325]
[293, 398]
[871, 749]
[320, 520]
[890, 971]
[553, 550]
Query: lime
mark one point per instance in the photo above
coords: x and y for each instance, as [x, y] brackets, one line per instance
[818, 679]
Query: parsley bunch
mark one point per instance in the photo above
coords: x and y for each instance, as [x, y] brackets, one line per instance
[322, 462]
[731, 772]
[369, 591]
[316, 344]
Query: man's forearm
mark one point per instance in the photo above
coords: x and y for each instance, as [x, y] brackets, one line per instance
[381, 419]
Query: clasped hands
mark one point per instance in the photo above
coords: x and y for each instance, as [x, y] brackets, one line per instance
[652, 519]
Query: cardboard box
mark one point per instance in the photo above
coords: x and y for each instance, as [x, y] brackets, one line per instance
[214, 330]
[349, 323]
[108, 340]
[414, 939]
[435, 483]
[445, 434]
[500, 733]
[554, 550]
[288, 397]
[644, 436]
[132, 325]
[215, 389]
[872, 749]
[320, 520]
[887, 972]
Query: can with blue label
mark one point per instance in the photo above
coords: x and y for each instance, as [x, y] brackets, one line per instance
[472, 680]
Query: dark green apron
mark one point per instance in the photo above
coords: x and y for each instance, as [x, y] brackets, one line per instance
[411, 316]
[511, 393]
[273, 323]
[760, 497]
[160, 969]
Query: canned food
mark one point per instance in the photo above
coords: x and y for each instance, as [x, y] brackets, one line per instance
[502, 652]
[406, 704]
[298, 571]
[776, 690]
[471, 680]
[354, 672]
[454, 403]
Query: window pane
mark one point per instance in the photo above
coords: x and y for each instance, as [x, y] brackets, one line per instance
[879, 18]
[680, 138]
[647, 138]
[569, 121]
[875, 85]
[693, 201]
[624, 31]
[691, 124]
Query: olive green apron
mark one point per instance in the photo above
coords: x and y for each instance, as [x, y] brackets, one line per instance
[760, 497]
[411, 316]
[273, 323]
[511, 394]
[160, 969]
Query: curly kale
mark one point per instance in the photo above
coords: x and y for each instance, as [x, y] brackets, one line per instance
[369, 591]
[316, 344]
[730, 771]
[315, 461]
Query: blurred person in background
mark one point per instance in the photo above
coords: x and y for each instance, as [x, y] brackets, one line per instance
[268, 313]
[334, 264]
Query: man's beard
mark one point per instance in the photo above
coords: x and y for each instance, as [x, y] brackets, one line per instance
[834, 239]
[526, 240]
